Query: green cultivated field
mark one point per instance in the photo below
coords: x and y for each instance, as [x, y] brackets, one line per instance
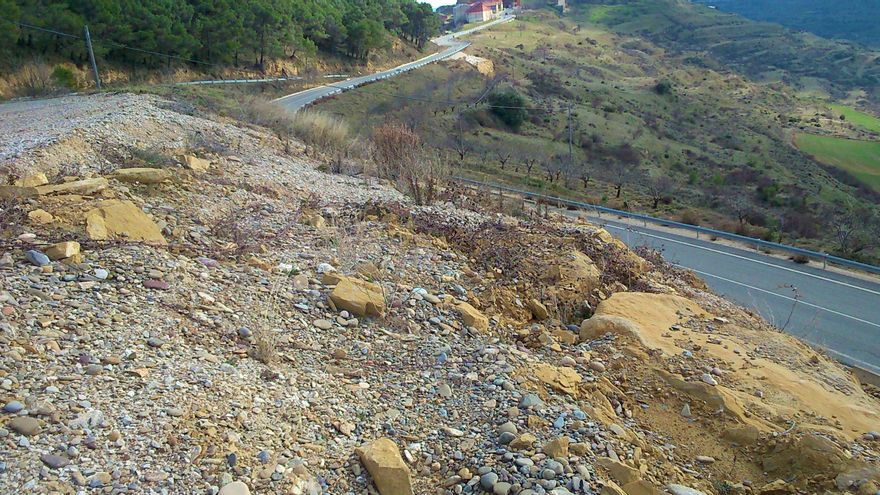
[852, 115]
[860, 158]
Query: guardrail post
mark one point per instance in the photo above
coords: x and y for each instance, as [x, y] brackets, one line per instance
[712, 234]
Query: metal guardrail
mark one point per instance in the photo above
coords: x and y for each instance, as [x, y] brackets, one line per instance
[251, 81]
[823, 257]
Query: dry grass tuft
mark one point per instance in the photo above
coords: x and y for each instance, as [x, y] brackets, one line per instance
[265, 348]
[321, 130]
[325, 133]
[265, 345]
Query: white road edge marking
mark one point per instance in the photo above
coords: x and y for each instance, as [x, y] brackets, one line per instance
[819, 277]
[798, 301]
[300, 92]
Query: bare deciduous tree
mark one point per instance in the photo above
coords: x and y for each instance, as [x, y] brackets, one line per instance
[660, 188]
[852, 226]
[585, 173]
[620, 174]
[530, 162]
[739, 205]
[624, 164]
[503, 157]
[461, 148]
[553, 168]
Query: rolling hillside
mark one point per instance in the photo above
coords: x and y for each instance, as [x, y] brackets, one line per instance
[760, 51]
[653, 128]
[854, 20]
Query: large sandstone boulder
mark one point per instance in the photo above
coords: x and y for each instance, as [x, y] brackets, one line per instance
[313, 219]
[575, 270]
[390, 474]
[745, 435]
[619, 472]
[644, 315]
[63, 250]
[611, 488]
[116, 219]
[716, 396]
[562, 379]
[472, 317]
[33, 180]
[557, 447]
[539, 311]
[637, 264]
[82, 187]
[142, 175]
[195, 163]
[641, 487]
[40, 217]
[17, 192]
[808, 454]
[599, 325]
[357, 296]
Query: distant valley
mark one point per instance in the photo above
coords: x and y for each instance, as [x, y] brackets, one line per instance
[852, 20]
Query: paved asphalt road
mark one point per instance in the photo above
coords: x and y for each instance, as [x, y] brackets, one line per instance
[832, 310]
[296, 101]
[835, 311]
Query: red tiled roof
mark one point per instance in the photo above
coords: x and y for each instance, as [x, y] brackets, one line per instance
[477, 7]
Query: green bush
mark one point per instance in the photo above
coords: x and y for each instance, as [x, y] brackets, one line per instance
[64, 77]
[508, 106]
[663, 87]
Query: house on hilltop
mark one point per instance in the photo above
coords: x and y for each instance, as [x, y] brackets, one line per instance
[481, 11]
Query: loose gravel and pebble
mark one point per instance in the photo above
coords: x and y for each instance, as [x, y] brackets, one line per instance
[222, 364]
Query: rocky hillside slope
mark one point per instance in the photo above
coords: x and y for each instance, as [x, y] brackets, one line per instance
[234, 320]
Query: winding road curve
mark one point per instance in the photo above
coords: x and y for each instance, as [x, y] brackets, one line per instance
[297, 101]
[832, 310]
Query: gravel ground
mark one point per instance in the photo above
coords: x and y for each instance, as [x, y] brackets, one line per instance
[220, 358]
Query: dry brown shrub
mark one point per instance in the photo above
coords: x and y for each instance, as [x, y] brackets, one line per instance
[401, 157]
[690, 217]
[34, 79]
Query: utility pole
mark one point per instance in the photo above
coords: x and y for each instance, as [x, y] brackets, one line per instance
[92, 56]
[570, 160]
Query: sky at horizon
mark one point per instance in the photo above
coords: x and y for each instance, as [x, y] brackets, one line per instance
[440, 3]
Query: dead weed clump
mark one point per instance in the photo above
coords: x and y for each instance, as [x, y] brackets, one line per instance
[12, 215]
[136, 157]
[241, 229]
[401, 157]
